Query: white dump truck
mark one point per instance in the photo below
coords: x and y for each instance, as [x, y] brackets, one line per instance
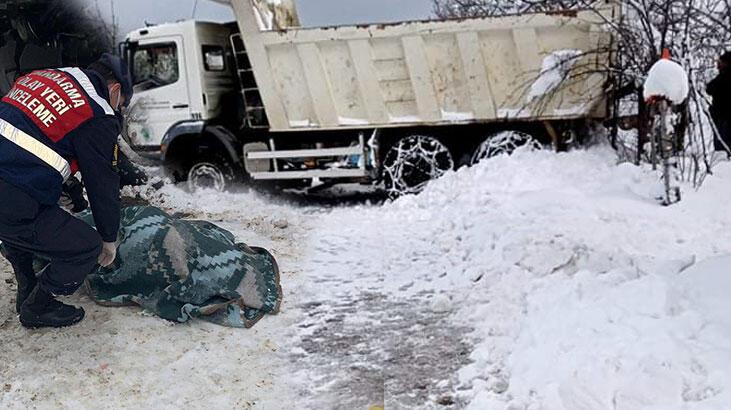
[395, 104]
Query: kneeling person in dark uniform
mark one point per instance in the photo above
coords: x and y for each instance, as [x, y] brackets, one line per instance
[54, 123]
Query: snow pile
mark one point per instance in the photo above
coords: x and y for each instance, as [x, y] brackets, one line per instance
[667, 79]
[573, 277]
[554, 70]
[625, 341]
[487, 219]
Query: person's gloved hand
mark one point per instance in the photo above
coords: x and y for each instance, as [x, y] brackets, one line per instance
[72, 198]
[66, 202]
[109, 252]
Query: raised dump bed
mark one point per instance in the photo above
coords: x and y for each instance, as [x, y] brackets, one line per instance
[426, 72]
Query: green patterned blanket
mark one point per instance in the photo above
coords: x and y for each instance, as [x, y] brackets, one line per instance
[179, 269]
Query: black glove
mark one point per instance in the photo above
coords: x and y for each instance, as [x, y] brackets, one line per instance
[74, 190]
[129, 173]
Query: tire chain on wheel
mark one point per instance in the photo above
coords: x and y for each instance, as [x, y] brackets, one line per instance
[222, 169]
[504, 142]
[423, 154]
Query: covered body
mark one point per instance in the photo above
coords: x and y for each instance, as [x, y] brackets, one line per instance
[190, 269]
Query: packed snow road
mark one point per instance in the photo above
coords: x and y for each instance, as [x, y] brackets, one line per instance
[537, 281]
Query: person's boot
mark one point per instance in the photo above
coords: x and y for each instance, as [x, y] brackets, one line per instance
[24, 275]
[41, 309]
[26, 284]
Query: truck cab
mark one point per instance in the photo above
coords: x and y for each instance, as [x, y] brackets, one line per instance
[182, 77]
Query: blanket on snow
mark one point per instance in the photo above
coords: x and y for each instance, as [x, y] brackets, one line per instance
[179, 269]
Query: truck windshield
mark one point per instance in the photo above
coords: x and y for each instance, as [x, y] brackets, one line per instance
[154, 65]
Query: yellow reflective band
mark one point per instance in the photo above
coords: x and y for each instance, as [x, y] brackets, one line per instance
[116, 155]
[35, 147]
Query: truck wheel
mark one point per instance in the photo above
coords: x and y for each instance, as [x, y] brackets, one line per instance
[414, 161]
[504, 142]
[217, 175]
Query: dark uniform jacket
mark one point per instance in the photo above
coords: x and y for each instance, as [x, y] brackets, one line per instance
[720, 90]
[54, 123]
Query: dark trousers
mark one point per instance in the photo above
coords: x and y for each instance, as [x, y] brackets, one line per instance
[724, 128]
[30, 230]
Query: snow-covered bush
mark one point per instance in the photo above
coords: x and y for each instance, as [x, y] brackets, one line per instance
[667, 79]
[474, 8]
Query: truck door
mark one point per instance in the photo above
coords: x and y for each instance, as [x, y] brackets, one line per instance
[161, 90]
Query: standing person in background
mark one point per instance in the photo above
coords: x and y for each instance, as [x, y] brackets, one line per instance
[720, 90]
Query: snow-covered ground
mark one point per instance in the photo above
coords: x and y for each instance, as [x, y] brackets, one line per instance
[537, 281]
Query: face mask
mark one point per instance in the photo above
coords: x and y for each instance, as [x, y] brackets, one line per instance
[118, 109]
[119, 100]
